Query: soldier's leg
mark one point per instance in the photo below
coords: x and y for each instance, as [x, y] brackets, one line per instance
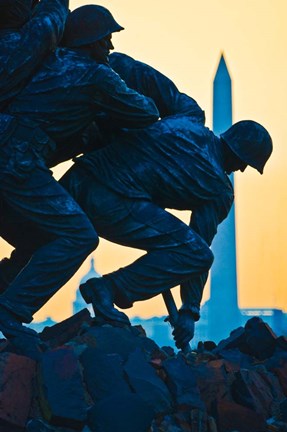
[24, 236]
[174, 251]
[10, 267]
[69, 238]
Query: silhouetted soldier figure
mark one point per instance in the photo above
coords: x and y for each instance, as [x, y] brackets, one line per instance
[25, 41]
[66, 94]
[142, 78]
[27, 37]
[171, 102]
[174, 163]
[125, 187]
[137, 75]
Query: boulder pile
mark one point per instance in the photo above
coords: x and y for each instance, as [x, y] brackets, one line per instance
[98, 377]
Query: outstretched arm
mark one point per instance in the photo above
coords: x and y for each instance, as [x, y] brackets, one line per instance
[152, 83]
[25, 52]
[132, 103]
[124, 106]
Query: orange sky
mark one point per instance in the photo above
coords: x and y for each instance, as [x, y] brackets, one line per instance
[184, 40]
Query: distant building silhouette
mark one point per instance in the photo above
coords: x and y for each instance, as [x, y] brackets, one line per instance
[79, 303]
[39, 326]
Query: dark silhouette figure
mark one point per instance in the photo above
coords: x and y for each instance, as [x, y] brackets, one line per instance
[125, 187]
[68, 91]
[174, 163]
[25, 41]
[244, 140]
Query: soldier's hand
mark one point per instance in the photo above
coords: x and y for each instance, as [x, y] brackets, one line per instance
[184, 330]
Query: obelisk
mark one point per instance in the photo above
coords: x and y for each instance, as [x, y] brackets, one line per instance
[223, 312]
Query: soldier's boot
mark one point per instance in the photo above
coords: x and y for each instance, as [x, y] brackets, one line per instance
[25, 340]
[102, 296]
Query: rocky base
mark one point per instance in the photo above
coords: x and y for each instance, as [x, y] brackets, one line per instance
[96, 377]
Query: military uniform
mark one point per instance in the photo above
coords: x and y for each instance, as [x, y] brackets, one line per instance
[125, 187]
[150, 82]
[148, 152]
[169, 101]
[68, 91]
[176, 163]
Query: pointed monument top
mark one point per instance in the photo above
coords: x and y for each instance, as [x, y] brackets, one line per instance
[92, 264]
[92, 273]
[222, 73]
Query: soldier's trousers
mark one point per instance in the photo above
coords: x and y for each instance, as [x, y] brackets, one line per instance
[53, 235]
[175, 252]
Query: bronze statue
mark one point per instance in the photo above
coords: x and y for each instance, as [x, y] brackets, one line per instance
[64, 96]
[125, 186]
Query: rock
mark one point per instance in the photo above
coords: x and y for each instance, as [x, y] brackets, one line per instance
[250, 390]
[183, 420]
[235, 359]
[235, 340]
[62, 332]
[126, 383]
[201, 422]
[62, 398]
[110, 340]
[214, 384]
[279, 368]
[283, 410]
[168, 350]
[273, 383]
[167, 424]
[181, 381]
[39, 425]
[16, 385]
[8, 427]
[206, 346]
[103, 374]
[259, 338]
[281, 343]
[145, 383]
[120, 414]
[234, 417]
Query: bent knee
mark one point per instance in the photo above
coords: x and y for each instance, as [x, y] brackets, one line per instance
[92, 240]
[201, 254]
[209, 257]
[87, 237]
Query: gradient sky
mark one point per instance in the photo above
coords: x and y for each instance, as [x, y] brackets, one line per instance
[184, 40]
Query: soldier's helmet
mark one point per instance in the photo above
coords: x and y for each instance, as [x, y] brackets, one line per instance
[88, 24]
[14, 13]
[250, 141]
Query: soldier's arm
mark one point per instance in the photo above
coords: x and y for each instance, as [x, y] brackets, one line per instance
[39, 36]
[152, 83]
[204, 220]
[49, 18]
[124, 106]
